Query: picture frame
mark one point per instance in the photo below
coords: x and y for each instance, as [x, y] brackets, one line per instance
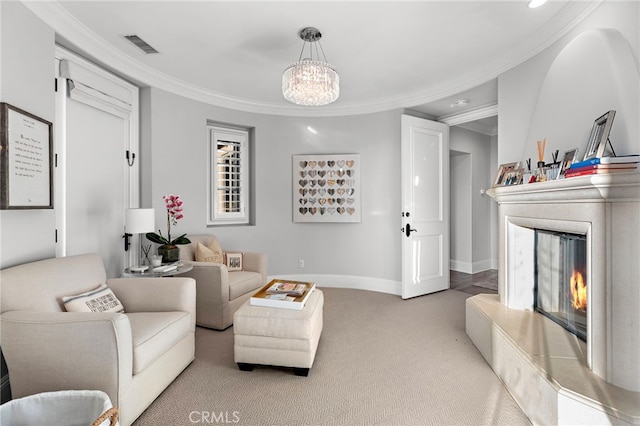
[233, 261]
[570, 157]
[326, 188]
[513, 177]
[504, 170]
[599, 137]
[26, 160]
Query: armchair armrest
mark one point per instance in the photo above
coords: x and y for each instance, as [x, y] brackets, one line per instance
[212, 282]
[48, 351]
[255, 262]
[155, 294]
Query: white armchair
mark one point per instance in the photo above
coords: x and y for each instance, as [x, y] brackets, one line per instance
[132, 357]
[221, 292]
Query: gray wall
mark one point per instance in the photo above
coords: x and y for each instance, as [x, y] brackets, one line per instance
[565, 115]
[174, 138]
[26, 82]
[471, 224]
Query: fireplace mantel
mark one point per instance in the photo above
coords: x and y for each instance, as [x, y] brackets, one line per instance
[606, 187]
[605, 208]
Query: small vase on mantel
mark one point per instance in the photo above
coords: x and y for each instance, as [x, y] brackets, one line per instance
[170, 253]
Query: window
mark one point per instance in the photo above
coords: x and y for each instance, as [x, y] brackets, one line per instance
[228, 189]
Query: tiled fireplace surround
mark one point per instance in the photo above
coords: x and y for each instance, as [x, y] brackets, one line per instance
[555, 377]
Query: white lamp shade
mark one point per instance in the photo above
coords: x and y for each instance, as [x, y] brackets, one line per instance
[138, 221]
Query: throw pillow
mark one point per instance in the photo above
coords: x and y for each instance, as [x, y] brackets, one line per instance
[101, 299]
[213, 253]
[233, 261]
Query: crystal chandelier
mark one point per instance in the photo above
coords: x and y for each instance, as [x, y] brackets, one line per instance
[311, 82]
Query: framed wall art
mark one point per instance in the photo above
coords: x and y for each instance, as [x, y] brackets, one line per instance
[26, 160]
[599, 137]
[326, 188]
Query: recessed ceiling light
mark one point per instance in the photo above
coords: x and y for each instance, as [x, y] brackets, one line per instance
[460, 103]
[536, 3]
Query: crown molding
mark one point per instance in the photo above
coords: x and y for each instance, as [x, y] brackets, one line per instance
[479, 113]
[481, 128]
[69, 28]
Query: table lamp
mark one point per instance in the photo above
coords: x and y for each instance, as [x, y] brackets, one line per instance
[137, 221]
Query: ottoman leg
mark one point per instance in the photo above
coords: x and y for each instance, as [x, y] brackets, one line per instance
[245, 367]
[304, 372]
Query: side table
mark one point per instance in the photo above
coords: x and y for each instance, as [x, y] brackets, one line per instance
[150, 273]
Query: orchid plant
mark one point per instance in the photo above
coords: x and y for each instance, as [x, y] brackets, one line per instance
[173, 204]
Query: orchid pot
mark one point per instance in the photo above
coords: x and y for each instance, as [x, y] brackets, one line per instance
[168, 248]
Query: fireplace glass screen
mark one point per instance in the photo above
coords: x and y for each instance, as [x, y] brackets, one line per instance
[561, 279]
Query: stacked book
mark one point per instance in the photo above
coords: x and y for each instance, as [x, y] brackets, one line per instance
[283, 294]
[602, 165]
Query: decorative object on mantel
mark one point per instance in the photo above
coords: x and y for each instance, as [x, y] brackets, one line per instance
[604, 165]
[326, 188]
[508, 174]
[309, 81]
[541, 145]
[569, 158]
[599, 138]
[169, 249]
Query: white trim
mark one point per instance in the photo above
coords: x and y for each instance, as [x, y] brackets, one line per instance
[66, 25]
[490, 110]
[240, 136]
[100, 89]
[471, 268]
[460, 266]
[380, 285]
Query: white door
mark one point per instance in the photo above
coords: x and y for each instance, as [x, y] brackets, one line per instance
[425, 206]
[96, 119]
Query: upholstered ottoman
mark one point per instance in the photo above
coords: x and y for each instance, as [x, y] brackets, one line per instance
[278, 336]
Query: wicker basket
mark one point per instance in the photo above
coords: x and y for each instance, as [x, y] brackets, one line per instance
[71, 408]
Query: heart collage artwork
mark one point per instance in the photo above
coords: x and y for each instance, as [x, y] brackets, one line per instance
[326, 188]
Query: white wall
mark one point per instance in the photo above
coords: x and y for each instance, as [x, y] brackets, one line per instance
[471, 228]
[592, 83]
[460, 217]
[26, 82]
[175, 138]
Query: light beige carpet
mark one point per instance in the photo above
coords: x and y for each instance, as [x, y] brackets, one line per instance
[381, 360]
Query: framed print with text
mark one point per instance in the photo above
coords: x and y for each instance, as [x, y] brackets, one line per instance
[326, 188]
[26, 160]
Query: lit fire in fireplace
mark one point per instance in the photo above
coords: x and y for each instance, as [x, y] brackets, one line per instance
[578, 291]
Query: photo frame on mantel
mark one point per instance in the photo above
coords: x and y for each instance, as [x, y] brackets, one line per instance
[326, 188]
[599, 138]
[570, 157]
[505, 174]
[26, 160]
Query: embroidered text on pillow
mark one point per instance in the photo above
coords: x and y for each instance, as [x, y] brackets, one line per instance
[101, 299]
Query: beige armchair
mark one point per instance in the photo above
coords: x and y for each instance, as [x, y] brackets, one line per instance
[131, 356]
[221, 292]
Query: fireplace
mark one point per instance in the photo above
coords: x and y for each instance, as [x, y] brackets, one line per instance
[591, 381]
[560, 283]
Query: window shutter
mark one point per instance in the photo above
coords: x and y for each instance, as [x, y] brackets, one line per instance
[229, 176]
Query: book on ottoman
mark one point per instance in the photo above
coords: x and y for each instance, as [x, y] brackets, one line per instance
[283, 294]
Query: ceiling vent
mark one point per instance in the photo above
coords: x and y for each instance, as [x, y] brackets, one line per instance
[141, 44]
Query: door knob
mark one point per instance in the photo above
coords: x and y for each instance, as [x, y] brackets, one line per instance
[408, 230]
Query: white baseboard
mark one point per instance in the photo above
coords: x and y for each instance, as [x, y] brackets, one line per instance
[471, 268]
[347, 281]
[459, 266]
